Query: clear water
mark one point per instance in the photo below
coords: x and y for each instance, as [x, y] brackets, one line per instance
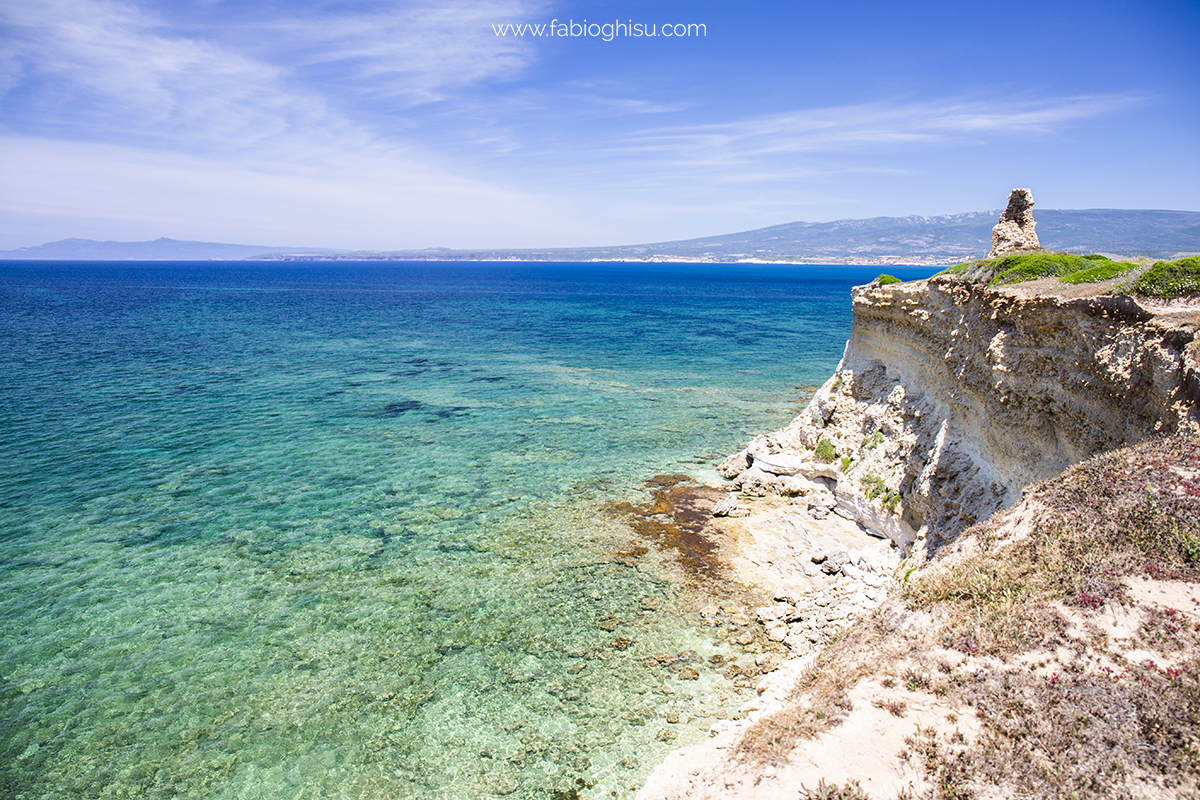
[327, 531]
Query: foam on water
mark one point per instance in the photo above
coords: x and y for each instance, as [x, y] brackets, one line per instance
[301, 532]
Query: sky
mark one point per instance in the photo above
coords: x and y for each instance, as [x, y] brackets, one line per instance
[396, 125]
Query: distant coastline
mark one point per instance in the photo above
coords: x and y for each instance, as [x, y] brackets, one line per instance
[883, 241]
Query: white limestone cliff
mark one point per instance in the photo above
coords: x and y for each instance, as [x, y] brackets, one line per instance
[950, 398]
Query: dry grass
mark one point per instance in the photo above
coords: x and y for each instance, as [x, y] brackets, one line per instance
[824, 791]
[1131, 512]
[1063, 715]
[1076, 733]
[821, 699]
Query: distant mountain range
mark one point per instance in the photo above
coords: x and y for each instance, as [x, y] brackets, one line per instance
[946, 239]
[157, 250]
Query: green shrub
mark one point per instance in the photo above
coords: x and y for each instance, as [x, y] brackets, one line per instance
[884, 280]
[846, 462]
[873, 486]
[1096, 257]
[957, 269]
[825, 451]
[1169, 279]
[1031, 266]
[1101, 272]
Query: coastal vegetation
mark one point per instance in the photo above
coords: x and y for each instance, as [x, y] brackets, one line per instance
[1166, 279]
[1104, 269]
[1031, 266]
[1010, 627]
[1163, 279]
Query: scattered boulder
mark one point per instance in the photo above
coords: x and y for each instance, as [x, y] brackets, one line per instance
[832, 563]
[652, 603]
[820, 503]
[756, 483]
[734, 465]
[725, 505]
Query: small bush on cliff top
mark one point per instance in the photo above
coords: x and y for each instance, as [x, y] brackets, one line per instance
[1023, 267]
[1031, 266]
[825, 451]
[1103, 271]
[1169, 279]
[884, 280]
[957, 269]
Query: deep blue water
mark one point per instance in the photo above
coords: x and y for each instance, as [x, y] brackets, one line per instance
[334, 530]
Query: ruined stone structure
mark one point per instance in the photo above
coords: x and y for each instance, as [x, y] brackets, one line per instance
[1015, 230]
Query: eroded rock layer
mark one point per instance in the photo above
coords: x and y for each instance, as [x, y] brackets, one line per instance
[950, 398]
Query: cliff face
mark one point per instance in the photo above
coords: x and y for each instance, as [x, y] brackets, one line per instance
[951, 398]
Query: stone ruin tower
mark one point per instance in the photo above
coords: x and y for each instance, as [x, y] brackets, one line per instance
[1015, 230]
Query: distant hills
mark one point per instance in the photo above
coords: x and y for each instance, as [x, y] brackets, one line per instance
[945, 239]
[157, 250]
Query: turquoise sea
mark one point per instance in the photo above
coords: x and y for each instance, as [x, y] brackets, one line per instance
[329, 530]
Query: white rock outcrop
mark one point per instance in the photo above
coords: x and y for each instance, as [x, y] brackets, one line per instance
[951, 398]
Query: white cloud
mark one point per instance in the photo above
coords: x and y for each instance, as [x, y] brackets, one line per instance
[203, 141]
[120, 71]
[358, 201]
[879, 125]
[416, 53]
[117, 73]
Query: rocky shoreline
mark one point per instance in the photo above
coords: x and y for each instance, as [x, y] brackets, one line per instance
[949, 401]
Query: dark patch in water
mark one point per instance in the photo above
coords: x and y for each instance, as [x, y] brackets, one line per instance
[392, 410]
[187, 388]
[456, 547]
[402, 407]
[494, 379]
[409, 373]
[676, 519]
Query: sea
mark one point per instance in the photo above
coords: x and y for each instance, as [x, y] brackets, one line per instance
[346, 529]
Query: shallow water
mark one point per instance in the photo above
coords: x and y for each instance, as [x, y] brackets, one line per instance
[335, 530]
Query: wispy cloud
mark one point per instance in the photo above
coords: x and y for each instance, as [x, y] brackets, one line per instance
[117, 68]
[113, 110]
[878, 125]
[355, 200]
[415, 53]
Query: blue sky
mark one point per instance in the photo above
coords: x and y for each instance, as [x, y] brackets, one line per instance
[392, 125]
